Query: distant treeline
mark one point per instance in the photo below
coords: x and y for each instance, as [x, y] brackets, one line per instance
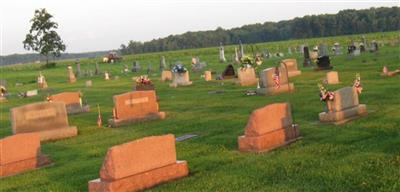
[33, 57]
[345, 22]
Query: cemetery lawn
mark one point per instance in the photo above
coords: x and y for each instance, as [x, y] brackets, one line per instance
[362, 155]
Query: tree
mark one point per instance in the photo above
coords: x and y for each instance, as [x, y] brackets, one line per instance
[42, 36]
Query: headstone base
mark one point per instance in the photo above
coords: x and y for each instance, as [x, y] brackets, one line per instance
[180, 84]
[323, 68]
[269, 141]
[120, 122]
[75, 109]
[341, 117]
[24, 165]
[59, 133]
[294, 73]
[142, 181]
[273, 91]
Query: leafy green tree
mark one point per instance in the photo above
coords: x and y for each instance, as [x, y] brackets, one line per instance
[42, 36]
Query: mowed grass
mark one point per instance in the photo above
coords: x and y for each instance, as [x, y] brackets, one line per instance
[362, 155]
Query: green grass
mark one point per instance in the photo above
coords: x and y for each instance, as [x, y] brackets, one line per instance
[362, 155]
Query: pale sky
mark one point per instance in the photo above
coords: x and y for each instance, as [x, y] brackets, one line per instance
[95, 25]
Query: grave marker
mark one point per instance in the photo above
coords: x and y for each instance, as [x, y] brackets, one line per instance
[72, 101]
[49, 119]
[291, 67]
[344, 107]
[139, 165]
[247, 76]
[332, 77]
[268, 128]
[135, 106]
[20, 153]
[269, 85]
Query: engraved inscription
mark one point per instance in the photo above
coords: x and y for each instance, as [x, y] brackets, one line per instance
[137, 101]
[40, 114]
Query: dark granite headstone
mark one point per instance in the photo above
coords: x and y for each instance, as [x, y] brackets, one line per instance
[307, 60]
[323, 63]
[229, 72]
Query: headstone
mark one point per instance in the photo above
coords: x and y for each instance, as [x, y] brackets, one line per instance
[207, 75]
[270, 86]
[49, 119]
[247, 76]
[149, 69]
[136, 66]
[323, 50]
[78, 68]
[41, 80]
[351, 48]
[72, 101]
[336, 48]
[71, 75]
[97, 71]
[180, 79]
[236, 56]
[3, 90]
[268, 128]
[31, 93]
[135, 106]
[106, 76]
[307, 60]
[344, 107]
[88, 83]
[229, 72]
[166, 76]
[198, 66]
[332, 77]
[323, 63]
[221, 53]
[139, 165]
[374, 46]
[291, 67]
[362, 47]
[20, 153]
[163, 65]
[301, 48]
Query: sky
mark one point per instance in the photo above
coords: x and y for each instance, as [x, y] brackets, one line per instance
[97, 25]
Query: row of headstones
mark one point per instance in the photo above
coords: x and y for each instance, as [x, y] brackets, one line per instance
[268, 128]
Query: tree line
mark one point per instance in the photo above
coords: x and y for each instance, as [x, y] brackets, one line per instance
[345, 22]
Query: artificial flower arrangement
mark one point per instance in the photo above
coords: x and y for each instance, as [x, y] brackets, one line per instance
[357, 83]
[325, 95]
[179, 68]
[144, 83]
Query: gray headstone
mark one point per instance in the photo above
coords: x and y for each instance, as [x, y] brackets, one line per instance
[163, 65]
[221, 53]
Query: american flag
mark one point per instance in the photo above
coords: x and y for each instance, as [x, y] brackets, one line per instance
[277, 81]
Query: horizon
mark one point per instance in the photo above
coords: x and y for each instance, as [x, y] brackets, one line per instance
[90, 34]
